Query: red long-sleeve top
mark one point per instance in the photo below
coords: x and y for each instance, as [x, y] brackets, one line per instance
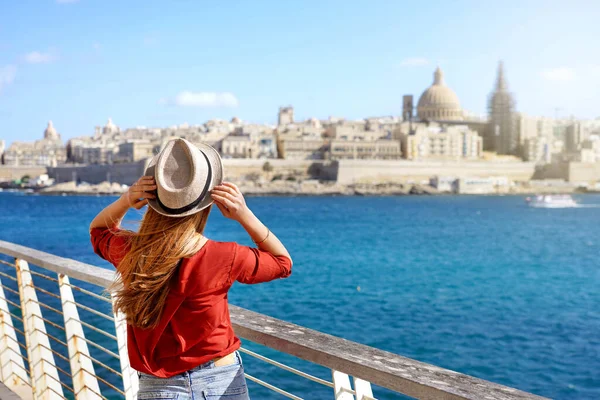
[195, 326]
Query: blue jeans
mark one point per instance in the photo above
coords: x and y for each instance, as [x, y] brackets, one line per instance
[205, 382]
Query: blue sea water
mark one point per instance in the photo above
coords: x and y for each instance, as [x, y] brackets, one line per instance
[481, 285]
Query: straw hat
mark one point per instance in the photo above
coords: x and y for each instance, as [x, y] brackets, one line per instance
[185, 174]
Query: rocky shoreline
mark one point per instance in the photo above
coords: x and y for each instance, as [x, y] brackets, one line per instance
[304, 188]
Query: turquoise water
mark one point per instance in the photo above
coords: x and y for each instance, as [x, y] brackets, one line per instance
[480, 285]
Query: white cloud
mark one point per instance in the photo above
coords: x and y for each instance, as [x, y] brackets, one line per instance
[202, 99]
[414, 62]
[560, 74]
[37, 57]
[7, 75]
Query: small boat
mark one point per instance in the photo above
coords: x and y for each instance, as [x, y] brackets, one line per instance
[552, 201]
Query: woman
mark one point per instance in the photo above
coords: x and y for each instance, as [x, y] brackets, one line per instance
[173, 281]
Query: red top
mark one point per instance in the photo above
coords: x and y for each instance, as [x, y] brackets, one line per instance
[195, 326]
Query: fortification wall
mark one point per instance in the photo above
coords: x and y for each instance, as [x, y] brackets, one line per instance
[10, 173]
[235, 169]
[379, 171]
[583, 172]
[126, 173]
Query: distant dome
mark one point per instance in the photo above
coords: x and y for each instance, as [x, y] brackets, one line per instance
[50, 132]
[236, 120]
[439, 102]
[110, 127]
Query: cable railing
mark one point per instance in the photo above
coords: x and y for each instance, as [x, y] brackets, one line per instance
[59, 339]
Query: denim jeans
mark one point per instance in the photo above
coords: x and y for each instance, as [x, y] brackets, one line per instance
[205, 382]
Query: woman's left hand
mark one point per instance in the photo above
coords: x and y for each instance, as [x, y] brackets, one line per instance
[138, 194]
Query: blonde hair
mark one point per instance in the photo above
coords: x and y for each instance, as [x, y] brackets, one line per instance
[146, 271]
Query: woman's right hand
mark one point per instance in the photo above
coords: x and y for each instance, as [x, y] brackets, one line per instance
[230, 200]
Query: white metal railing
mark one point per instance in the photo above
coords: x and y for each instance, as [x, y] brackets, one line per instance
[57, 339]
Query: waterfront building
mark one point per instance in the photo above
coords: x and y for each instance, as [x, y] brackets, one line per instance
[239, 146]
[438, 102]
[354, 130]
[301, 147]
[573, 137]
[134, 150]
[537, 149]
[2, 147]
[502, 135]
[435, 141]
[380, 149]
[46, 152]
[285, 116]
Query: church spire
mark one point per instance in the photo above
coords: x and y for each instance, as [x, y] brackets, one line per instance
[501, 85]
[438, 77]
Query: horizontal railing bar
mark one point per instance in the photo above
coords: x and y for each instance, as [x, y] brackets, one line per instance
[89, 293]
[66, 386]
[10, 290]
[8, 276]
[68, 374]
[287, 368]
[110, 385]
[98, 313]
[55, 352]
[382, 368]
[18, 330]
[7, 263]
[57, 340]
[74, 269]
[88, 341]
[48, 321]
[401, 374]
[12, 303]
[46, 306]
[273, 388]
[39, 289]
[108, 335]
[50, 278]
[16, 316]
[100, 363]
[22, 345]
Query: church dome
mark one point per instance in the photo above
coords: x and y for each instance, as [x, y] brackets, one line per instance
[110, 127]
[50, 132]
[439, 102]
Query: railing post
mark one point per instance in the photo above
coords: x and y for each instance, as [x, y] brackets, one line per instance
[130, 377]
[363, 389]
[44, 375]
[12, 368]
[341, 386]
[85, 384]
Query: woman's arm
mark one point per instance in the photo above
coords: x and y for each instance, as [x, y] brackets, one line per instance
[136, 197]
[230, 201]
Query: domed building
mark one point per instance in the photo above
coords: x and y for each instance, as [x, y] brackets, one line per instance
[50, 132]
[439, 102]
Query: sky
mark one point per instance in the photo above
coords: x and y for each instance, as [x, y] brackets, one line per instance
[161, 63]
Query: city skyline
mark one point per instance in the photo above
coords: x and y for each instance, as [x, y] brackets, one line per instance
[78, 63]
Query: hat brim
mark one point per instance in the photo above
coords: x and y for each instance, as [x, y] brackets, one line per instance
[217, 177]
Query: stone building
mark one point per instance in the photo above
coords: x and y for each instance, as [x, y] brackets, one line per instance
[239, 146]
[502, 136]
[439, 102]
[380, 149]
[441, 142]
[286, 116]
[537, 149]
[135, 150]
[46, 152]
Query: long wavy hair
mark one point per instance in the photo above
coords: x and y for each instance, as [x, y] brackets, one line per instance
[146, 271]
